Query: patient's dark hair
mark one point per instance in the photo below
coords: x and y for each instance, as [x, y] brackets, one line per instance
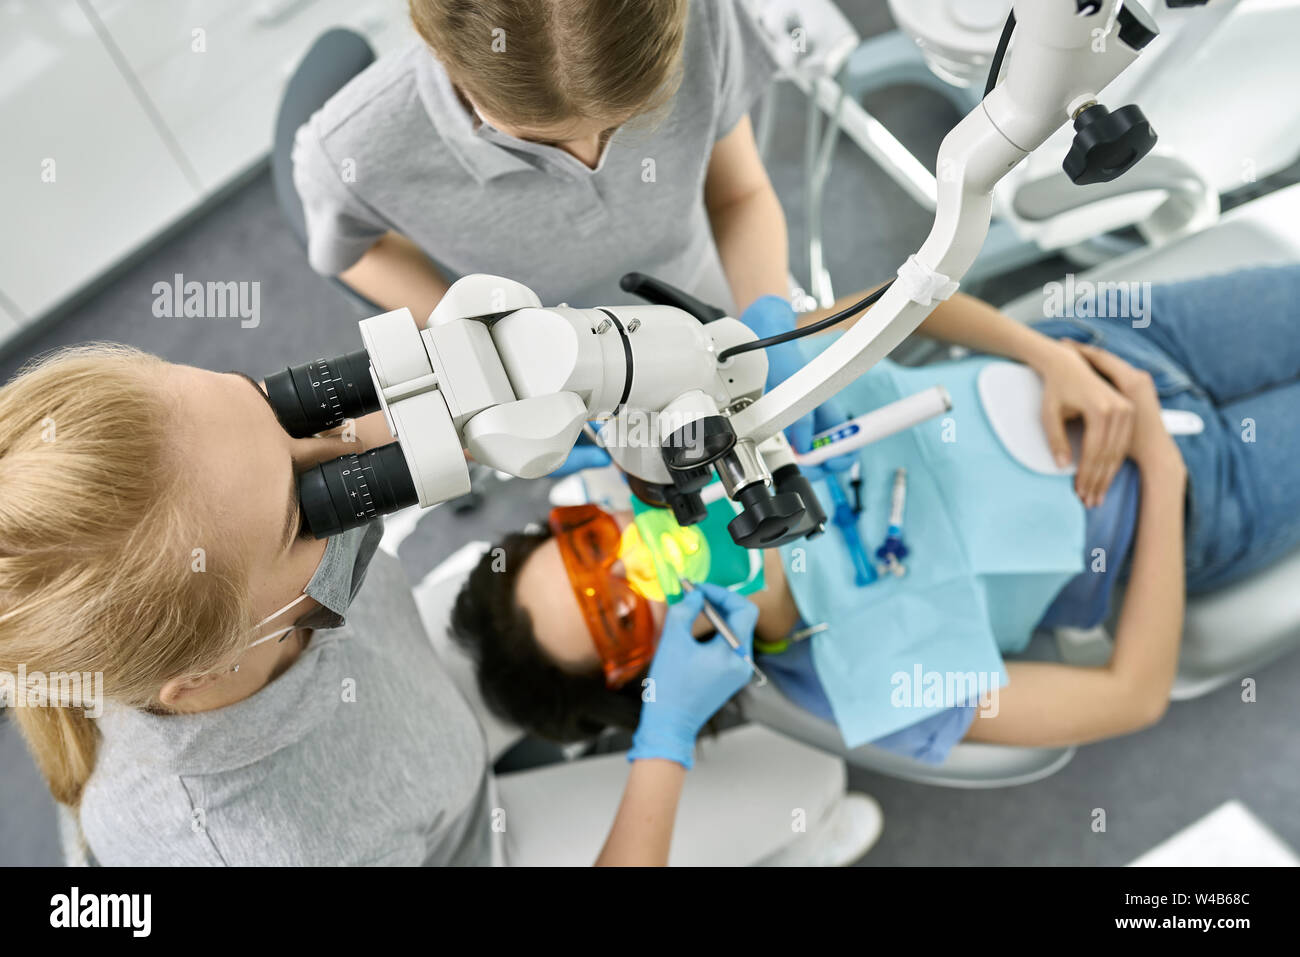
[516, 678]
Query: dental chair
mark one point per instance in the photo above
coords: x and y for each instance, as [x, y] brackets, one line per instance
[560, 805]
[1228, 633]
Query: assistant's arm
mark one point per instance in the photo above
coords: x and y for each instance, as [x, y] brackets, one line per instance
[394, 273]
[643, 828]
[747, 220]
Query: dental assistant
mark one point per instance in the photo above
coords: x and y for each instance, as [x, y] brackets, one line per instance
[561, 143]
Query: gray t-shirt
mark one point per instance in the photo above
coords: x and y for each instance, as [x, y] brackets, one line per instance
[396, 149]
[362, 752]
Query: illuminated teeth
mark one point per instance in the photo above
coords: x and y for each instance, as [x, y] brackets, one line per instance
[656, 552]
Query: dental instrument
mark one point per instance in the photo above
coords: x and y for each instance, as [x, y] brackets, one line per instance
[876, 425]
[855, 483]
[846, 520]
[893, 551]
[720, 625]
[677, 384]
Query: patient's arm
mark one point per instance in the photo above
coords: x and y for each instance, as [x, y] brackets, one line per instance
[1047, 705]
[965, 321]
[1070, 388]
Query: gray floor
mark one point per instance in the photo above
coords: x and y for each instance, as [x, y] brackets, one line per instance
[1151, 785]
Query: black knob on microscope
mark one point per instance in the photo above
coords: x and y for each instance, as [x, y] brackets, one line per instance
[1137, 27]
[1106, 144]
[789, 478]
[766, 520]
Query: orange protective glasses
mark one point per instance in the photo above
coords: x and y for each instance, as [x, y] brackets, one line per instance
[618, 618]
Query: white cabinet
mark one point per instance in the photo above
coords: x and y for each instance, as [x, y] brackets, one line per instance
[84, 175]
[119, 117]
[215, 69]
[8, 322]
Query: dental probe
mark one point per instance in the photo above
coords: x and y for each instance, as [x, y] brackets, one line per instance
[720, 625]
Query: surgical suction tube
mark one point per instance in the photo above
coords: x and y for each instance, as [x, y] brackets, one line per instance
[353, 489]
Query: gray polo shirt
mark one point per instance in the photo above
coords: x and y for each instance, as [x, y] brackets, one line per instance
[362, 752]
[396, 149]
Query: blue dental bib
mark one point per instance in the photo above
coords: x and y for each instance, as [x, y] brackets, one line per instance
[992, 543]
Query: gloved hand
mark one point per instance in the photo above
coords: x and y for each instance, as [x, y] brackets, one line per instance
[585, 455]
[770, 316]
[690, 680]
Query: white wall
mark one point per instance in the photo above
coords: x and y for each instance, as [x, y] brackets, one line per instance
[118, 117]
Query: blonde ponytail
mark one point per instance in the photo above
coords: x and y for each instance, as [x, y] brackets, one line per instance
[97, 533]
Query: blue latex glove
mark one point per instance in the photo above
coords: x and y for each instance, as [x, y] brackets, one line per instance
[770, 316]
[584, 456]
[691, 680]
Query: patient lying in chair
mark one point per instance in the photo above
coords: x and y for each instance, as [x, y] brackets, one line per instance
[996, 552]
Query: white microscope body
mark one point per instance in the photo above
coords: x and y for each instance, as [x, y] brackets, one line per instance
[513, 383]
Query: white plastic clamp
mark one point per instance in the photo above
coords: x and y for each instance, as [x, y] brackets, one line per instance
[922, 284]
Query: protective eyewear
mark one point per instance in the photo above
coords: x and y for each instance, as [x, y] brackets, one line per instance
[617, 616]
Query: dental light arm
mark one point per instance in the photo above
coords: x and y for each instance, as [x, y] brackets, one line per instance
[512, 383]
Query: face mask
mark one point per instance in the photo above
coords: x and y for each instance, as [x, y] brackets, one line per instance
[335, 582]
[491, 134]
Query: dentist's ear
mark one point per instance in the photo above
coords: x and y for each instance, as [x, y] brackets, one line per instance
[178, 690]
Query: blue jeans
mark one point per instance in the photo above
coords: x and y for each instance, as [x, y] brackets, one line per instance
[1226, 347]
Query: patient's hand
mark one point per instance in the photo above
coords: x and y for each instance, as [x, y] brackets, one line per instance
[1151, 445]
[1074, 389]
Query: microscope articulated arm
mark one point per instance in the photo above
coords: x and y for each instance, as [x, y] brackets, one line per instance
[1061, 60]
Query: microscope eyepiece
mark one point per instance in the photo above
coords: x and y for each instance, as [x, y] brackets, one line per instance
[320, 395]
[352, 490]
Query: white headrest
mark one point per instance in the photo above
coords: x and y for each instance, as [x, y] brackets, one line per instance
[435, 596]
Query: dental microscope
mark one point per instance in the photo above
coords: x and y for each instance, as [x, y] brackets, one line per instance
[676, 385]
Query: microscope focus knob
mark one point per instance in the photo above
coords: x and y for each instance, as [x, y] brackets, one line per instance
[1106, 144]
[767, 520]
[1137, 28]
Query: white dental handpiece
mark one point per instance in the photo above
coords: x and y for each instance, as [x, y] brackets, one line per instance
[876, 425]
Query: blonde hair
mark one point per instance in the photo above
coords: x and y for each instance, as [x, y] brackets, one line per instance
[562, 59]
[97, 539]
